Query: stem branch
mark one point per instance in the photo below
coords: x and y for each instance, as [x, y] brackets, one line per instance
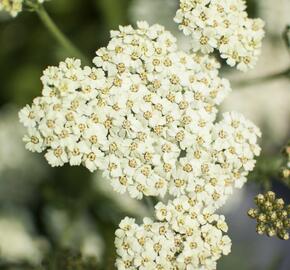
[254, 81]
[150, 205]
[58, 35]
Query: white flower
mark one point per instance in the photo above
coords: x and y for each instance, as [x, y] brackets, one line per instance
[56, 156]
[93, 159]
[28, 117]
[76, 153]
[34, 141]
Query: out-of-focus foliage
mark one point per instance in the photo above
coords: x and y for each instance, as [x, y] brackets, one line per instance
[285, 170]
[287, 35]
[69, 260]
[275, 167]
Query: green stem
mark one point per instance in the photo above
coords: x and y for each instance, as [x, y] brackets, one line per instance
[150, 205]
[254, 81]
[58, 35]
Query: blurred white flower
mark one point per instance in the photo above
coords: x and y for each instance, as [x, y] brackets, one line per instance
[11, 6]
[12, 154]
[92, 246]
[19, 170]
[14, 7]
[17, 243]
[78, 233]
[275, 25]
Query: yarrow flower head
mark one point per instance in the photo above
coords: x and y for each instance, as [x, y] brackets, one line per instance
[13, 7]
[184, 237]
[272, 215]
[222, 25]
[145, 116]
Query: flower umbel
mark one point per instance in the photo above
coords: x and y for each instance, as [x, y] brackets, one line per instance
[222, 25]
[146, 117]
[184, 237]
[272, 215]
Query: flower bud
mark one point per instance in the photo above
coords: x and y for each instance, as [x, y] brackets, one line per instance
[261, 228]
[279, 204]
[260, 199]
[270, 195]
[283, 234]
[271, 232]
[253, 213]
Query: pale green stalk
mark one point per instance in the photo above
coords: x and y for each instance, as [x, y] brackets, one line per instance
[54, 30]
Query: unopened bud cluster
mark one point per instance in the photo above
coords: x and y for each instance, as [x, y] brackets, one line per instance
[272, 215]
[222, 25]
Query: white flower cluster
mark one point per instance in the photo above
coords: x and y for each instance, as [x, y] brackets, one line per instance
[223, 25]
[14, 6]
[184, 237]
[11, 6]
[145, 117]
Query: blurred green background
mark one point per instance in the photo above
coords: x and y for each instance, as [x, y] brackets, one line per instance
[51, 216]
